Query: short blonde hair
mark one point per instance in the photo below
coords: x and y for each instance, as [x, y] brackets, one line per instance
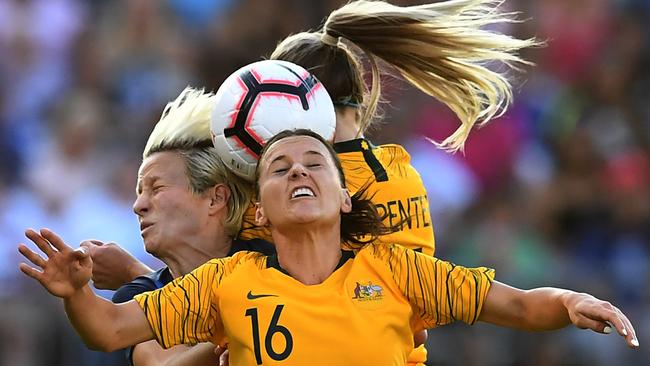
[441, 48]
[184, 128]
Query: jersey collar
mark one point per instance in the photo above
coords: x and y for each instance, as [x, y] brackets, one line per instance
[272, 261]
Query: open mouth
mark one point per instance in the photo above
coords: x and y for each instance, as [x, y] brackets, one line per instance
[302, 192]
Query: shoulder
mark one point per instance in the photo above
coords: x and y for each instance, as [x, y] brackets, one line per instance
[238, 259]
[148, 282]
[391, 255]
[381, 248]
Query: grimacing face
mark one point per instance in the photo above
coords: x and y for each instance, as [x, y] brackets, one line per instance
[300, 185]
[168, 211]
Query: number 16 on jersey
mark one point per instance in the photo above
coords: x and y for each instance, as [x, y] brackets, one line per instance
[273, 328]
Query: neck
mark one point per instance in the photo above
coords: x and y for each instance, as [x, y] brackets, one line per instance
[309, 256]
[187, 256]
[347, 126]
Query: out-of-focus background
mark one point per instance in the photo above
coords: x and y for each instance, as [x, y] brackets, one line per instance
[556, 192]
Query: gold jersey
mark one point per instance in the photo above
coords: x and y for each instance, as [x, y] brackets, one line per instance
[390, 181]
[379, 295]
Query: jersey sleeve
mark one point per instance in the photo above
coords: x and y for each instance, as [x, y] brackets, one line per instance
[128, 291]
[441, 292]
[185, 310]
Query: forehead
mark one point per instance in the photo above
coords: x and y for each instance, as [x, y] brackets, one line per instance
[166, 164]
[295, 146]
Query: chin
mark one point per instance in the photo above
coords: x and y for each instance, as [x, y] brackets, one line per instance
[304, 218]
[150, 247]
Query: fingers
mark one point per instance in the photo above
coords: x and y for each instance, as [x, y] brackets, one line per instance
[81, 253]
[55, 240]
[31, 255]
[630, 333]
[595, 325]
[90, 244]
[31, 272]
[40, 242]
[603, 317]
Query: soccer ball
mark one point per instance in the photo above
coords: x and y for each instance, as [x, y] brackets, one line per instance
[260, 100]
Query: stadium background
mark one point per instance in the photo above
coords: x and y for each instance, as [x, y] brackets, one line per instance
[556, 192]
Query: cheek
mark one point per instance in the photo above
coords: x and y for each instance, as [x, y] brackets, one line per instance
[269, 192]
[179, 210]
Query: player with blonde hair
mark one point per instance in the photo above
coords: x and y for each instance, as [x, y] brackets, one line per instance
[190, 209]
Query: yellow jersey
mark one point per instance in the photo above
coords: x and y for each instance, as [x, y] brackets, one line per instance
[379, 295]
[392, 184]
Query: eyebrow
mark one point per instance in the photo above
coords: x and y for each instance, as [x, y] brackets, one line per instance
[308, 152]
[150, 180]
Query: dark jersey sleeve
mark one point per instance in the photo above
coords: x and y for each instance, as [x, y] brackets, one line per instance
[148, 282]
[135, 287]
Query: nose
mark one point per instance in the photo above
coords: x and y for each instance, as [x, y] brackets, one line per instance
[298, 171]
[141, 205]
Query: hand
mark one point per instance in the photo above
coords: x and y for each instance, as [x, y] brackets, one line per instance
[113, 266]
[64, 272]
[222, 353]
[587, 312]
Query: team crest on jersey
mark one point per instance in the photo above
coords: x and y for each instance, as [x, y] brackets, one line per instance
[367, 292]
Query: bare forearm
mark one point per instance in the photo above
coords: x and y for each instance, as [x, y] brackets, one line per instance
[553, 308]
[201, 354]
[545, 309]
[533, 310]
[103, 325]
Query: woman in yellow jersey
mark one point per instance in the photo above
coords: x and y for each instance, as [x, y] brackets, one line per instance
[313, 296]
[440, 49]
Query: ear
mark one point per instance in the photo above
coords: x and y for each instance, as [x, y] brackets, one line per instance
[260, 217]
[346, 205]
[219, 197]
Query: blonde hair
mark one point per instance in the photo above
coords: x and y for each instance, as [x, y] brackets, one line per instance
[441, 48]
[184, 128]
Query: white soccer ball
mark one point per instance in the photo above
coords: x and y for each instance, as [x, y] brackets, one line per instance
[258, 101]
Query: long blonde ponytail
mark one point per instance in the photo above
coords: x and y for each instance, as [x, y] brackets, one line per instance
[443, 49]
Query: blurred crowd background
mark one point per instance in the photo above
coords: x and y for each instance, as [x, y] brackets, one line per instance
[555, 192]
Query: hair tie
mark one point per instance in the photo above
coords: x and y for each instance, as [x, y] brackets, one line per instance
[329, 40]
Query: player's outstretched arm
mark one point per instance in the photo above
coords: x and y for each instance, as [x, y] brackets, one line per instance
[113, 266]
[65, 273]
[552, 308]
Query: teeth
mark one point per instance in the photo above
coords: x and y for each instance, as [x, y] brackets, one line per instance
[302, 192]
